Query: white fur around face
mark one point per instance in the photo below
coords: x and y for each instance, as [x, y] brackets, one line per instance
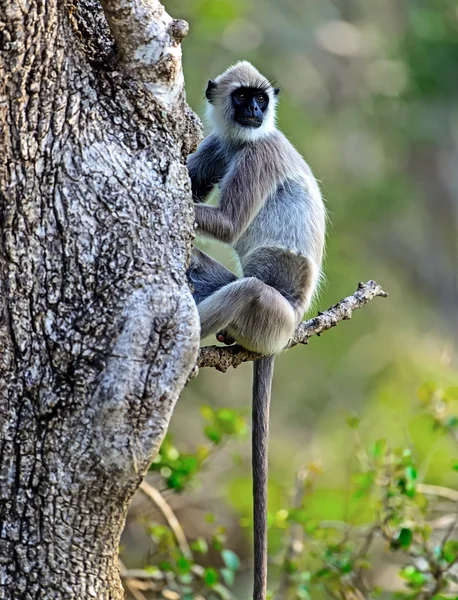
[220, 111]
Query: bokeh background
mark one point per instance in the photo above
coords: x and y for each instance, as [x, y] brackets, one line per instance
[370, 98]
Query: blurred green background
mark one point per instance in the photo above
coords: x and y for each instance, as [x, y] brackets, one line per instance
[370, 98]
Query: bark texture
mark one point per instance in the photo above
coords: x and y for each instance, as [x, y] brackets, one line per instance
[98, 330]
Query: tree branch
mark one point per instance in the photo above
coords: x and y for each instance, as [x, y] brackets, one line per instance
[221, 358]
[148, 44]
[155, 495]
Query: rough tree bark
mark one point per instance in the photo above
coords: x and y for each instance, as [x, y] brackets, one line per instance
[98, 331]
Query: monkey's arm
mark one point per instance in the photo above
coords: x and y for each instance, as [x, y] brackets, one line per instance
[244, 189]
[206, 167]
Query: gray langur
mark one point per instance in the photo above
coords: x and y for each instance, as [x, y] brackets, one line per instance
[271, 212]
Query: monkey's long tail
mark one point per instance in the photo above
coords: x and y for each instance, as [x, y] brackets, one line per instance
[262, 385]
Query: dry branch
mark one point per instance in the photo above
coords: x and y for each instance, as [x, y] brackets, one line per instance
[155, 495]
[221, 358]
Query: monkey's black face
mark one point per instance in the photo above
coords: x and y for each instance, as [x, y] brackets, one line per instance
[249, 106]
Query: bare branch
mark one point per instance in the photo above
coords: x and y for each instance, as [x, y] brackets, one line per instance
[148, 43]
[158, 577]
[155, 495]
[221, 358]
[438, 490]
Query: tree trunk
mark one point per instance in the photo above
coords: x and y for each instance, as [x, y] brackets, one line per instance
[98, 330]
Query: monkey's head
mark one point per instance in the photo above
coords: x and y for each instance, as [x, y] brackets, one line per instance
[242, 103]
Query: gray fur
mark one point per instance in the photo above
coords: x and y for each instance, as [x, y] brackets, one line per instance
[206, 167]
[270, 210]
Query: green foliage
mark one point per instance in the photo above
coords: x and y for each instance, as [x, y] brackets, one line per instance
[179, 570]
[319, 558]
[335, 557]
[178, 566]
[179, 469]
[431, 48]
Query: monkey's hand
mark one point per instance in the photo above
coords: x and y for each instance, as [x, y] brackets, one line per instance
[214, 223]
[225, 338]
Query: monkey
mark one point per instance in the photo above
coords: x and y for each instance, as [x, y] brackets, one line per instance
[271, 212]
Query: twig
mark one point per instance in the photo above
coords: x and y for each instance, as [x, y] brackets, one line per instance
[221, 358]
[153, 494]
[443, 522]
[438, 490]
[197, 570]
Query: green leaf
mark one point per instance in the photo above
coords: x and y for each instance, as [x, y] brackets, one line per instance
[183, 565]
[290, 566]
[364, 482]
[218, 541]
[452, 422]
[303, 592]
[451, 393]
[450, 550]
[353, 422]
[405, 537]
[379, 448]
[415, 578]
[426, 392]
[213, 434]
[152, 569]
[202, 453]
[226, 414]
[171, 453]
[231, 560]
[176, 481]
[228, 576]
[207, 412]
[200, 545]
[189, 464]
[411, 473]
[346, 566]
[324, 573]
[403, 540]
[297, 515]
[210, 576]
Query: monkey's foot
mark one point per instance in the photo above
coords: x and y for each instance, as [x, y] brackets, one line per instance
[225, 338]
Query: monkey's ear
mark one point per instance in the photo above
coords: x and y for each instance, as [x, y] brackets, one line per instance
[276, 91]
[211, 86]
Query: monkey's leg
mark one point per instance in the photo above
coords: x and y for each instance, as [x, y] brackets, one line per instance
[294, 276]
[206, 275]
[254, 313]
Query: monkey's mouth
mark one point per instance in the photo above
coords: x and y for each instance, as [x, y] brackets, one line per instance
[250, 122]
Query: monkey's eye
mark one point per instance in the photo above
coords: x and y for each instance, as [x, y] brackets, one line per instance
[260, 99]
[240, 96]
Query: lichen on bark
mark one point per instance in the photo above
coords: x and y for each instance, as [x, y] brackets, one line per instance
[98, 330]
